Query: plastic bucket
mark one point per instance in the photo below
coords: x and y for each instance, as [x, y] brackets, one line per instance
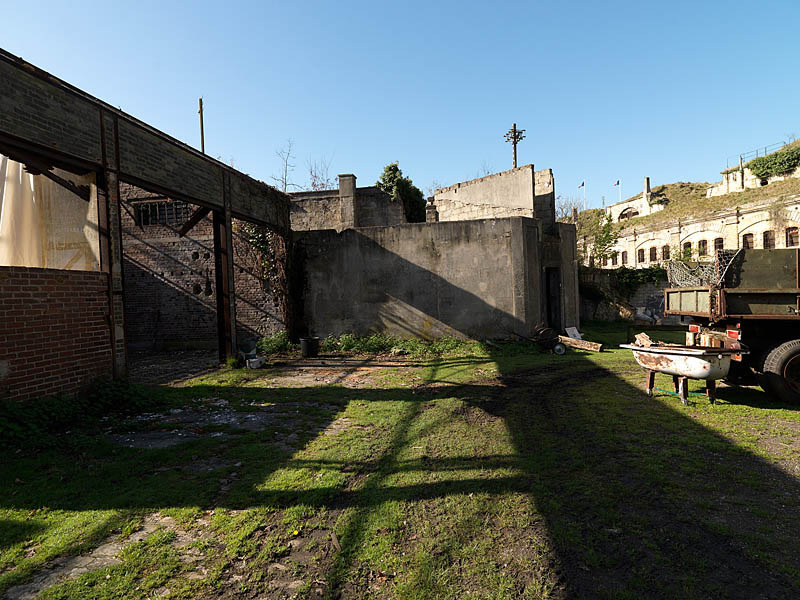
[309, 347]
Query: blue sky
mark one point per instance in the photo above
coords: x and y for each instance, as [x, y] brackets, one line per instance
[605, 90]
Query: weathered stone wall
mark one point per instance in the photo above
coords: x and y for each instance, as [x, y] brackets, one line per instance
[479, 278]
[315, 210]
[312, 211]
[738, 180]
[170, 296]
[520, 192]
[54, 331]
[377, 209]
[646, 303]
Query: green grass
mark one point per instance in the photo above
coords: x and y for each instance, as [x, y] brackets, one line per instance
[481, 473]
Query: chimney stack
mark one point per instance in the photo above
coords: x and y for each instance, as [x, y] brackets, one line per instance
[348, 215]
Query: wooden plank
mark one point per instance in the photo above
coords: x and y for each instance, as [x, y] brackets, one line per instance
[193, 220]
[581, 344]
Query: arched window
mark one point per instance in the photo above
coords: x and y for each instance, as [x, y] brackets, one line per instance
[625, 257]
[640, 255]
[653, 254]
[665, 252]
[628, 213]
[718, 244]
[769, 239]
[747, 241]
[702, 248]
[791, 237]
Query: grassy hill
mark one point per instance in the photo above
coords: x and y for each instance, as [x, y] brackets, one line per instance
[688, 200]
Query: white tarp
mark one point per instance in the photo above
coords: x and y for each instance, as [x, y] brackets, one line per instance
[43, 224]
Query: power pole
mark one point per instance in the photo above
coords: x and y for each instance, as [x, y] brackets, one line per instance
[514, 136]
[202, 133]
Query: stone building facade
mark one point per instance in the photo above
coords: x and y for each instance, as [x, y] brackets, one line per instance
[638, 206]
[765, 224]
[741, 178]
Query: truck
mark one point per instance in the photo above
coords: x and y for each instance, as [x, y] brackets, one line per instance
[746, 298]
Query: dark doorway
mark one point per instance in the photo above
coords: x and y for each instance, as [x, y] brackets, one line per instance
[552, 277]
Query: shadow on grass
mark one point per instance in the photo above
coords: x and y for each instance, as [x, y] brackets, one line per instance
[639, 499]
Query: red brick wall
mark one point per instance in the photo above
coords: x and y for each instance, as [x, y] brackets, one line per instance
[54, 332]
[170, 297]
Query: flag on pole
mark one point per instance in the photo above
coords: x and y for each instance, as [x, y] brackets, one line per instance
[616, 183]
[581, 185]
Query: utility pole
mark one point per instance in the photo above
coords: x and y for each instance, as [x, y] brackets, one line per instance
[202, 133]
[515, 135]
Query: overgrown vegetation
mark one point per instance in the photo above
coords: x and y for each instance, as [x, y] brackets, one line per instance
[402, 189]
[416, 348]
[276, 343]
[379, 343]
[625, 281]
[36, 422]
[597, 234]
[782, 162]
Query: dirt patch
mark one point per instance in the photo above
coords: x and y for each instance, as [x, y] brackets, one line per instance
[332, 370]
[181, 425]
[170, 368]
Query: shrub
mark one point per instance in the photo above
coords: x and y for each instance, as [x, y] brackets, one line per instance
[781, 162]
[275, 343]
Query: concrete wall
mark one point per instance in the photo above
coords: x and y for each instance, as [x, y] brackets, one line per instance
[479, 278]
[170, 295]
[520, 192]
[323, 210]
[54, 331]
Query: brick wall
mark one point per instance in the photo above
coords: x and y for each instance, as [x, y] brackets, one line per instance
[170, 295]
[54, 333]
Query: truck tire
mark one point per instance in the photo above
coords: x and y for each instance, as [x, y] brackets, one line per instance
[740, 374]
[780, 374]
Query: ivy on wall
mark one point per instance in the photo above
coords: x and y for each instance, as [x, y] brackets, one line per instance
[626, 281]
[781, 162]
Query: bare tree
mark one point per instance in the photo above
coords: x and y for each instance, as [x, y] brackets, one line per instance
[318, 174]
[284, 154]
[565, 206]
[484, 170]
[432, 187]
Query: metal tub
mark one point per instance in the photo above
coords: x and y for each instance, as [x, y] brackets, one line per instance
[694, 362]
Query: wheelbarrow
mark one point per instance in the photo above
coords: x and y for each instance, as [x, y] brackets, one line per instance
[546, 338]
